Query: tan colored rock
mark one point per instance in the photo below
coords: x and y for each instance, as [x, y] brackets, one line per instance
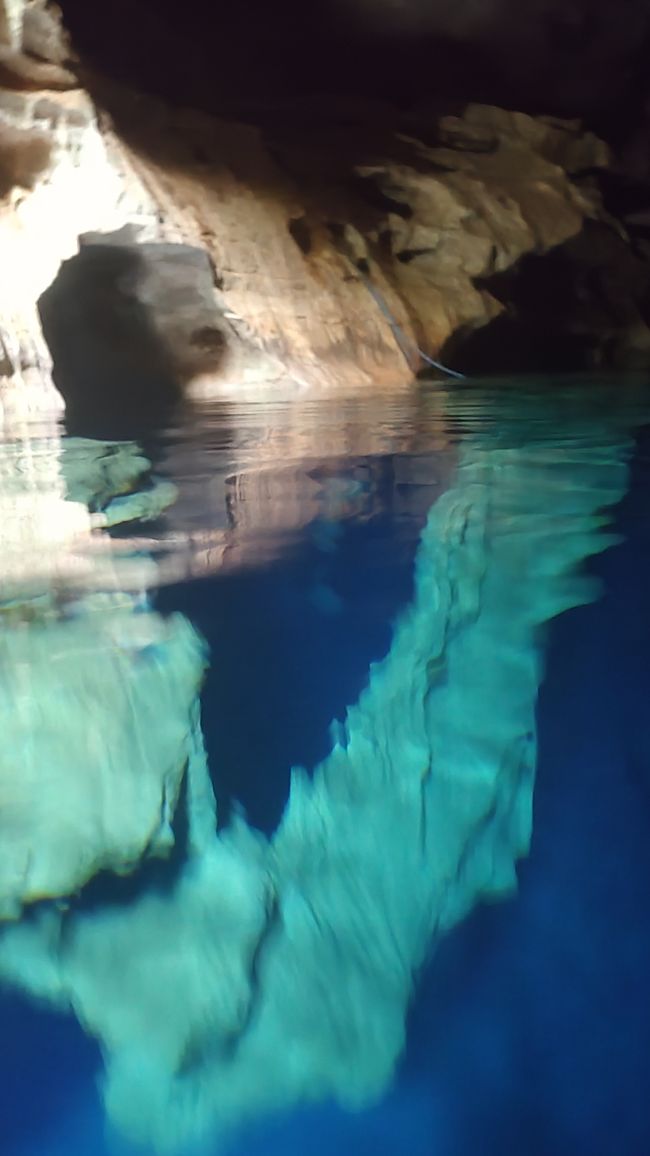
[33, 46]
[339, 259]
[288, 220]
[55, 182]
[43, 35]
[11, 23]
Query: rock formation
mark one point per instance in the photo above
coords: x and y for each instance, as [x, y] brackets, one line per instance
[169, 254]
[98, 695]
[266, 973]
[344, 248]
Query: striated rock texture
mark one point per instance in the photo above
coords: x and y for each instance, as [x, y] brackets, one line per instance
[34, 52]
[56, 182]
[340, 245]
[346, 252]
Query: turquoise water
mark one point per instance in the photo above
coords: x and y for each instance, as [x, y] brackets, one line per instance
[488, 550]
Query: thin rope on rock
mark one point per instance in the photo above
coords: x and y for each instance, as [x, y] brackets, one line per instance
[398, 333]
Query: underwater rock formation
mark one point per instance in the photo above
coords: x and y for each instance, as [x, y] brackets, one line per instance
[56, 497]
[97, 715]
[271, 972]
[90, 771]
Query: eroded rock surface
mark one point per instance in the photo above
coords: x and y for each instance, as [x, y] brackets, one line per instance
[345, 249]
[127, 325]
[34, 50]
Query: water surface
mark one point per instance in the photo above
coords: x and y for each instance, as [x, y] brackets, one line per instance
[290, 547]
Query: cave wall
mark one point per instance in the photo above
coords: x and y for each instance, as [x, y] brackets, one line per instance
[586, 57]
[349, 239]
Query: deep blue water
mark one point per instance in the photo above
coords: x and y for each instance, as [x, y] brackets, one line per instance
[530, 1034]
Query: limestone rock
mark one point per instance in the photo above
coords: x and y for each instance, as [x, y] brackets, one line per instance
[345, 250]
[586, 304]
[127, 326]
[287, 221]
[97, 714]
[34, 48]
[56, 182]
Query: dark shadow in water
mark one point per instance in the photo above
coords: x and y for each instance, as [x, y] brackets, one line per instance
[45, 1061]
[286, 660]
[532, 1031]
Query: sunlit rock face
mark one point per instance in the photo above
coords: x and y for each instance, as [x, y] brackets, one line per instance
[335, 266]
[336, 250]
[56, 181]
[342, 258]
[34, 51]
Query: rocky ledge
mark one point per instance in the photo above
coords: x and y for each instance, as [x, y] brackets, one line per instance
[341, 245]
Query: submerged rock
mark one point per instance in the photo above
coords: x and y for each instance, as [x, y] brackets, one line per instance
[56, 497]
[97, 717]
[89, 775]
[267, 973]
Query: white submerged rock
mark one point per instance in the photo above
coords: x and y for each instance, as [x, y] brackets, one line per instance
[274, 972]
[96, 725]
[97, 693]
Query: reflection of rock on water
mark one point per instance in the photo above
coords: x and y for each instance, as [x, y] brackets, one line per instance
[265, 973]
[97, 733]
[56, 498]
[298, 470]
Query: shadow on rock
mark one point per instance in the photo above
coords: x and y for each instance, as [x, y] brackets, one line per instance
[583, 305]
[128, 327]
